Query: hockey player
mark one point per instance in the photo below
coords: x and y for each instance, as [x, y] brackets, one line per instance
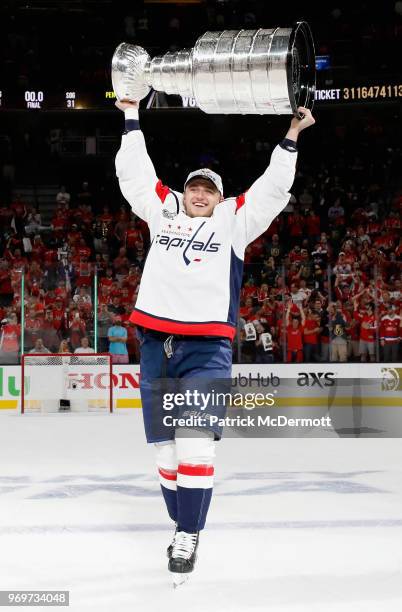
[187, 305]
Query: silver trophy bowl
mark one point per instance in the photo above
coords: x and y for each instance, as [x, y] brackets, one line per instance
[263, 72]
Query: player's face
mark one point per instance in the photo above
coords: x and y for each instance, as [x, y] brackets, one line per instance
[200, 198]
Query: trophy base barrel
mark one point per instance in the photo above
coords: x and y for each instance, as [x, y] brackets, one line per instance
[258, 72]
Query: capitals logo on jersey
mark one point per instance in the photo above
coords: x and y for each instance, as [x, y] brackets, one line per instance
[189, 245]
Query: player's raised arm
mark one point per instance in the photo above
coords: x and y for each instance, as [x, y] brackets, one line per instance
[134, 168]
[269, 194]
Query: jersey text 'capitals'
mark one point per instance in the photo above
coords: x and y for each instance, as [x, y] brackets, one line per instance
[188, 244]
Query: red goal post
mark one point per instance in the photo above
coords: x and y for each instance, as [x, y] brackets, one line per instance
[77, 382]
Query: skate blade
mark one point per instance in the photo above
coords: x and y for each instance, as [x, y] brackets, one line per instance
[179, 579]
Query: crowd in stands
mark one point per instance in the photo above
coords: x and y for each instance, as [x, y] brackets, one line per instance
[323, 283]
[58, 263]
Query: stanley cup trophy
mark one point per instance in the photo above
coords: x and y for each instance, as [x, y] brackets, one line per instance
[263, 72]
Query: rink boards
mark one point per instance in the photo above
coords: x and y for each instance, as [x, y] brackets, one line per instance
[377, 385]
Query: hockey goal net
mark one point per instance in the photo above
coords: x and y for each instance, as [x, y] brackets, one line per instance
[62, 382]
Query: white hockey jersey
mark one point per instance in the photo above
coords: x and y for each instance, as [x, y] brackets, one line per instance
[192, 275]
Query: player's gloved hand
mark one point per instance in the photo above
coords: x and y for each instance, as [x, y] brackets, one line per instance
[124, 104]
[306, 121]
[298, 125]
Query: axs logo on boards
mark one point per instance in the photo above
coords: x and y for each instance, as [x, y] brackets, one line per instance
[321, 379]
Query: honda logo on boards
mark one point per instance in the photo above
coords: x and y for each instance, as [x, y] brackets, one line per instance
[89, 380]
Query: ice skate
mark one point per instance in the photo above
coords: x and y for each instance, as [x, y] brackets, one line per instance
[169, 549]
[183, 556]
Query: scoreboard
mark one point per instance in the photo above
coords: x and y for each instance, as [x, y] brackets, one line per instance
[103, 99]
[361, 93]
[44, 99]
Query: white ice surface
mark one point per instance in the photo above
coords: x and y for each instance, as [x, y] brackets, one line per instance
[295, 524]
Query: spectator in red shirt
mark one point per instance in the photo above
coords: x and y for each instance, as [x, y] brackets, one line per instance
[247, 311]
[104, 296]
[390, 333]
[263, 293]
[83, 249]
[267, 312]
[77, 328]
[311, 333]
[59, 316]
[313, 227]
[396, 293]
[343, 288]
[125, 297]
[121, 263]
[294, 336]
[368, 327]
[107, 280]
[249, 289]
[295, 226]
[83, 273]
[123, 214]
[18, 260]
[74, 236]
[59, 225]
[61, 292]
[393, 221]
[257, 250]
[350, 255]
[6, 290]
[132, 237]
[87, 215]
[295, 255]
[49, 255]
[385, 240]
[32, 327]
[38, 249]
[133, 278]
[274, 228]
[50, 336]
[9, 340]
